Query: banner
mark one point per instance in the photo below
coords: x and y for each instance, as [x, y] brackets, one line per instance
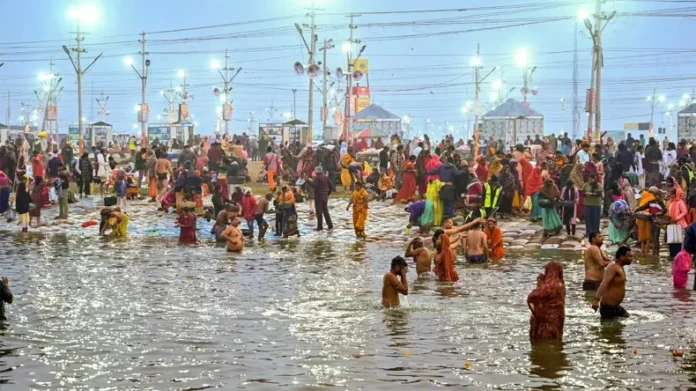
[361, 103]
[361, 91]
[159, 133]
[73, 134]
[52, 113]
[227, 112]
[361, 65]
[183, 112]
[271, 131]
[144, 112]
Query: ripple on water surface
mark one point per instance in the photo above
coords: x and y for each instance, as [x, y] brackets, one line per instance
[94, 313]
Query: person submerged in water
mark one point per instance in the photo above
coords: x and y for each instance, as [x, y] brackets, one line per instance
[421, 255]
[444, 258]
[595, 263]
[476, 245]
[233, 236]
[395, 282]
[187, 223]
[612, 291]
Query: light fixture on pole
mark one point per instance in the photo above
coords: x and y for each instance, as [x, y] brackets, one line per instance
[85, 14]
[477, 64]
[523, 61]
[226, 89]
[144, 111]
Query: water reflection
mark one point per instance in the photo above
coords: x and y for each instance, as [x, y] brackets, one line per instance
[289, 312]
[610, 332]
[548, 359]
[396, 321]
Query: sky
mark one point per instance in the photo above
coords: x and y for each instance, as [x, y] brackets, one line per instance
[419, 57]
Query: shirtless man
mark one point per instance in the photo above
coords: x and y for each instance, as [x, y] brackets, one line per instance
[395, 282]
[476, 245]
[613, 288]
[234, 237]
[595, 263]
[455, 233]
[163, 168]
[421, 255]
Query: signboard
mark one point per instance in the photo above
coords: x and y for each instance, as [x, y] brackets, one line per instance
[637, 126]
[144, 112]
[227, 112]
[271, 131]
[161, 133]
[361, 65]
[101, 135]
[73, 134]
[51, 113]
[361, 103]
[362, 91]
[183, 112]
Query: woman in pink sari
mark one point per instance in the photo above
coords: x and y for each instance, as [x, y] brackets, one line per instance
[431, 162]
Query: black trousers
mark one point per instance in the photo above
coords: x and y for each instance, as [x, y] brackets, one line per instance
[321, 207]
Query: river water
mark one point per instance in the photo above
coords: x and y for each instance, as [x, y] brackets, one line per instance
[94, 313]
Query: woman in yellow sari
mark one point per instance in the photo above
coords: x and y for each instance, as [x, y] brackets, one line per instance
[359, 202]
[346, 160]
[433, 195]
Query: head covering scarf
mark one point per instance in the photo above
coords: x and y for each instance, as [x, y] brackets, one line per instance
[533, 183]
[550, 190]
[547, 303]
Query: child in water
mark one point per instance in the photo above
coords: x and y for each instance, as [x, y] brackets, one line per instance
[187, 223]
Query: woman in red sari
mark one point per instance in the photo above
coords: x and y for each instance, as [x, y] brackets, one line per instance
[187, 224]
[547, 303]
[444, 258]
[407, 193]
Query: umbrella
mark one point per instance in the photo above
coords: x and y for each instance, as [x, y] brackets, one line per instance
[367, 133]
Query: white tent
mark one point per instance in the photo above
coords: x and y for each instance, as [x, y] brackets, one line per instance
[512, 122]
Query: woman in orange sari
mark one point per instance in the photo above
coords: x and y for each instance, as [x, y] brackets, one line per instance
[444, 258]
[359, 202]
[407, 193]
[495, 240]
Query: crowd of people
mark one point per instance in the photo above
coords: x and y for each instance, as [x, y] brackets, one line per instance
[646, 191]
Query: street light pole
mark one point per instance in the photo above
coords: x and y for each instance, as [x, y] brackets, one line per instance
[294, 103]
[144, 109]
[325, 98]
[312, 51]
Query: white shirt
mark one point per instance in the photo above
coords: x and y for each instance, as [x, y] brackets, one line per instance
[101, 160]
[639, 163]
[416, 151]
[583, 157]
[669, 157]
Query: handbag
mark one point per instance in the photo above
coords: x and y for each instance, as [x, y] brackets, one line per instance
[11, 215]
[546, 203]
[675, 235]
[567, 203]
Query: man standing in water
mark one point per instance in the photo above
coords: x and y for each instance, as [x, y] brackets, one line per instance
[421, 255]
[234, 237]
[476, 245]
[395, 282]
[595, 263]
[613, 288]
[164, 168]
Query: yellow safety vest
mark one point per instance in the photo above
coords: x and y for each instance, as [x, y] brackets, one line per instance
[487, 203]
[470, 217]
[691, 173]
